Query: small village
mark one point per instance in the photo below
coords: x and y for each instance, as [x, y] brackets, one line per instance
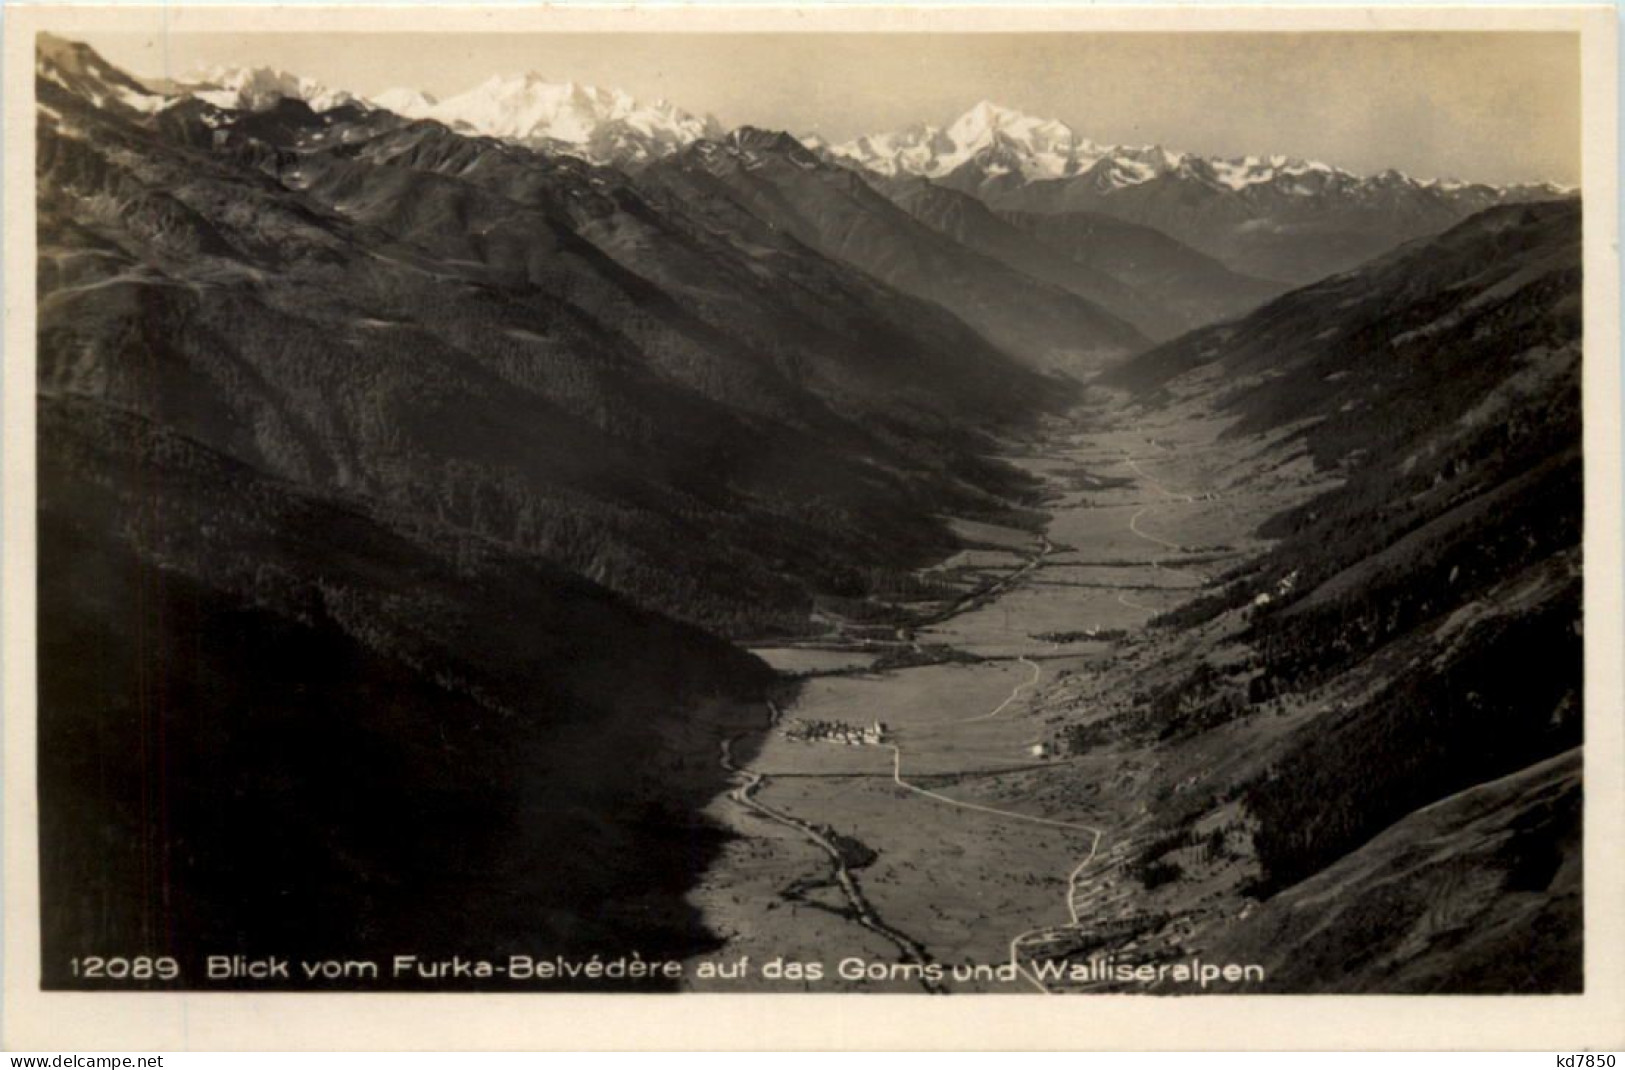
[805, 731]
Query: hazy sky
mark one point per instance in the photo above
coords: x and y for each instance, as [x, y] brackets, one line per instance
[1496, 107]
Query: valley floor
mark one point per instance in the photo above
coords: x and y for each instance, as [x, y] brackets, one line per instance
[971, 834]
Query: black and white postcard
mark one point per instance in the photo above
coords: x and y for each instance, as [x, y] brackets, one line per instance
[824, 507]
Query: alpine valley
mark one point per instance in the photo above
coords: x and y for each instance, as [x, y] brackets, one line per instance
[542, 523]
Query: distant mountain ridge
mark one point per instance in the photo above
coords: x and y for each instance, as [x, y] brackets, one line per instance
[994, 145]
[1392, 623]
[773, 177]
[497, 437]
[259, 89]
[1279, 218]
[660, 327]
[1138, 273]
[987, 145]
[401, 490]
[606, 126]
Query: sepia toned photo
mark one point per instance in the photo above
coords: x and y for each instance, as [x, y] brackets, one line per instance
[771, 510]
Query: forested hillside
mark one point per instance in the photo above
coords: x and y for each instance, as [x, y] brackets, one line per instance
[832, 209]
[388, 478]
[457, 331]
[1420, 624]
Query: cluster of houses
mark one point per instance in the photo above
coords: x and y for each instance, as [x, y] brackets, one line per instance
[852, 735]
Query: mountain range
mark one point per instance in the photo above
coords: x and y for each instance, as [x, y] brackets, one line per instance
[1362, 688]
[774, 178]
[604, 126]
[1276, 217]
[258, 88]
[1160, 286]
[600, 125]
[509, 417]
[535, 415]
[1078, 313]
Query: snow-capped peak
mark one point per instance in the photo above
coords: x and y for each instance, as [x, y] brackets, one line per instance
[992, 141]
[1240, 172]
[259, 88]
[978, 127]
[601, 124]
[1039, 148]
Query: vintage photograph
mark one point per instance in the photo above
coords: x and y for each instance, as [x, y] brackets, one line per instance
[848, 513]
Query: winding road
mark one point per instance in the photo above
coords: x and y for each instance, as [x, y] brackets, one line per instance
[745, 794]
[752, 781]
[1074, 922]
[1038, 672]
[912, 951]
[1134, 526]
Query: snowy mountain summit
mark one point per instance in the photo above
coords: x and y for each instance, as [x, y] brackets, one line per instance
[1007, 139]
[1041, 148]
[602, 125]
[259, 88]
[995, 142]
[1003, 139]
[605, 126]
[991, 146]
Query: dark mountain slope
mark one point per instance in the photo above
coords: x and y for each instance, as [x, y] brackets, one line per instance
[1477, 295]
[971, 223]
[299, 733]
[373, 475]
[1296, 231]
[1483, 886]
[1419, 625]
[835, 211]
[418, 340]
[776, 311]
[1195, 288]
[79, 69]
